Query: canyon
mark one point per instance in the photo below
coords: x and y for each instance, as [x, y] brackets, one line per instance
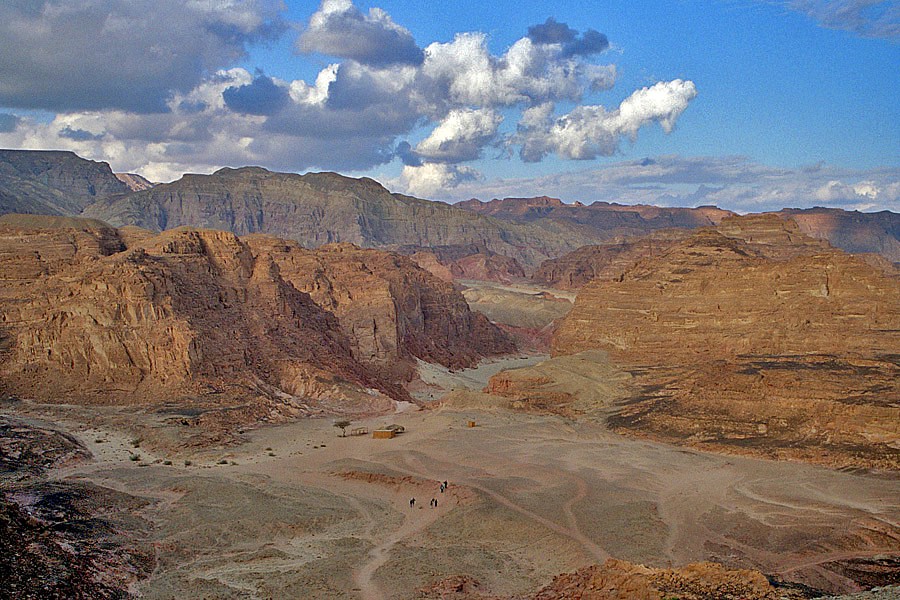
[627, 401]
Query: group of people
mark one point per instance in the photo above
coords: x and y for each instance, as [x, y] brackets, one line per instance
[434, 502]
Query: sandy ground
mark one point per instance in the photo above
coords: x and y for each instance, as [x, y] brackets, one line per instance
[439, 380]
[298, 511]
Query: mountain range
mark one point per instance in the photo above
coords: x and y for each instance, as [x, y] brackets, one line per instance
[320, 208]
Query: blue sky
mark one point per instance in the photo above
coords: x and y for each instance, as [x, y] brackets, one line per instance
[752, 105]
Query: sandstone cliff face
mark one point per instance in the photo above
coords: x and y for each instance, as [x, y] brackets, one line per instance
[54, 183]
[391, 309]
[322, 208]
[851, 231]
[207, 315]
[768, 234]
[603, 261]
[855, 232]
[134, 182]
[188, 312]
[756, 343]
[466, 262]
[601, 221]
[32, 246]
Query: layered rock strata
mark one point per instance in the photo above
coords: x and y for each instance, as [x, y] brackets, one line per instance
[322, 208]
[769, 343]
[91, 314]
[53, 182]
[391, 310]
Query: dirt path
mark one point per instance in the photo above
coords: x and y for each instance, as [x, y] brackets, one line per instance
[571, 493]
[417, 519]
[573, 532]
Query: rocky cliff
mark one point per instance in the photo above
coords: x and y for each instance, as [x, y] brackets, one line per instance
[391, 309]
[466, 262]
[600, 221]
[767, 342]
[603, 261]
[52, 182]
[856, 232]
[773, 235]
[97, 315]
[134, 182]
[322, 208]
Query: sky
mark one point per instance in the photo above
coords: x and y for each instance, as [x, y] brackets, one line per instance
[750, 105]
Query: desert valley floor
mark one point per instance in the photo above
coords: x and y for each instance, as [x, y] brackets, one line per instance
[602, 386]
[299, 511]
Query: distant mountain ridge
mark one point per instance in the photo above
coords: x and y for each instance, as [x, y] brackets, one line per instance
[320, 208]
[852, 231]
[53, 182]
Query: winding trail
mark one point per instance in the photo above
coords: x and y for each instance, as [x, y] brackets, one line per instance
[572, 531]
[415, 521]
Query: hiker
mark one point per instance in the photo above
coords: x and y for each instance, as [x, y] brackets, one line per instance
[412, 502]
[442, 488]
[435, 502]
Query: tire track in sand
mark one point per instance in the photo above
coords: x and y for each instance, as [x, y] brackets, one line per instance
[572, 532]
[414, 521]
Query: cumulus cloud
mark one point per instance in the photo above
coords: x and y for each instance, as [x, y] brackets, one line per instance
[465, 73]
[338, 28]
[553, 32]
[79, 135]
[430, 179]
[460, 136]
[148, 85]
[121, 54]
[868, 18]
[261, 97]
[591, 131]
[8, 122]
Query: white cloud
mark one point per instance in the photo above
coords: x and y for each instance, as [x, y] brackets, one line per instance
[460, 136]
[338, 28]
[464, 73]
[734, 183]
[591, 131]
[430, 179]
[355, 115]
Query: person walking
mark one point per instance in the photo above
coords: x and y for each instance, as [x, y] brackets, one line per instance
[412, 502]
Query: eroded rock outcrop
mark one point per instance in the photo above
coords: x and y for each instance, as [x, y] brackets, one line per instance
[466, 262]
[621, 580]
[53, 182]
[183, 313]
[603, 261]
[322, 208]
[391, 310]
[92, 314]
[770, 343]
[33, 246]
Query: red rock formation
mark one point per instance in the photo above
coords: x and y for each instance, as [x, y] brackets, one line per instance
[204, 314]
[851, 231]
[466, 262]
[185, 313]
[391, 309]
[603, 261]
[621, 580]
[773, 343]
